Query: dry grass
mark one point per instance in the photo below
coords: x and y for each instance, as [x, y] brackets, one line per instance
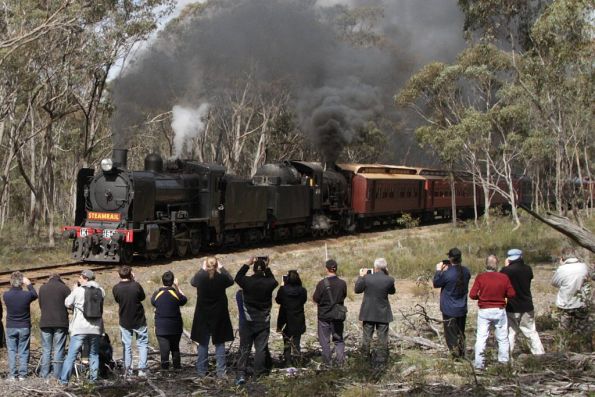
[411, 254]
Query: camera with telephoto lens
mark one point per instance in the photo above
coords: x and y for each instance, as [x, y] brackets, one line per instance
[264, 259]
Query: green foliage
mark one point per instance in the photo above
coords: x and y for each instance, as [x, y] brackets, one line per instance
[408, 221]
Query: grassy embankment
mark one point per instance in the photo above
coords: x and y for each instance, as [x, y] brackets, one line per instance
[411, 253]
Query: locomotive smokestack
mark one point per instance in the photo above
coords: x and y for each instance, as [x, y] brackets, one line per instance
[120, 158]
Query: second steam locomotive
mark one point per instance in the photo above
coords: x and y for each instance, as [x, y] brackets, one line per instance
[177, 207]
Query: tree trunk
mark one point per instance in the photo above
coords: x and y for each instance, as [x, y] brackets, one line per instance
[475, 202]
[453, 199]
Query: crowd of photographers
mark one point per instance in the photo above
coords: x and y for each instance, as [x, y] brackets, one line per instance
[504, 300]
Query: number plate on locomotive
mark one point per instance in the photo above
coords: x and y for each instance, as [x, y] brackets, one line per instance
[108, 233]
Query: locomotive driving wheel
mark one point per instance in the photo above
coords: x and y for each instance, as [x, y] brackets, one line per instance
[181, 248]
[166, 246]
[126, 254]
[195, 242]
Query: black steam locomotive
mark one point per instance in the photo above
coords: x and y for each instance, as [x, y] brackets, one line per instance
[182, 205]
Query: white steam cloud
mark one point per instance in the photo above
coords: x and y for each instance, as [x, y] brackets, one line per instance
[187, 123]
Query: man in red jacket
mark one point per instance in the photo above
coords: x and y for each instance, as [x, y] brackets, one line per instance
[491, 289]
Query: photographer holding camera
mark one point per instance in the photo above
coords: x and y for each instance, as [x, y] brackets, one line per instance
[291, 298]
[375, 312]
[453, 280]
[211, 317]
[258, 300]
[330, 295]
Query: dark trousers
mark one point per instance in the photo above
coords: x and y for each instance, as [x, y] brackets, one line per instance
[291, 349]
[576, 330]
[169, 344]
[326, 329]
[454, 333]
[257, 334]
[382, 333]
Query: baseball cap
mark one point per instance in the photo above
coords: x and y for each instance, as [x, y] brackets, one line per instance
[454, 253]
[88, 274]
[514, 254]
[331, 264]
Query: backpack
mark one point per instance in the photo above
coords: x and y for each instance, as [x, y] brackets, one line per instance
[93, 305]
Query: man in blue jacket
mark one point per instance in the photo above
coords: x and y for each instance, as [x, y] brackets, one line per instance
[18, 324]
[453, 280]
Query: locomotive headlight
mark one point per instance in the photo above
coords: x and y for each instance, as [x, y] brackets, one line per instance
[107, 165]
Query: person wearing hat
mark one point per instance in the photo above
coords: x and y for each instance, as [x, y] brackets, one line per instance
[82, 329]
[330, 291]
[453, 280]
[491, 289]
[573, 302]
[519, 309]
[258, 300]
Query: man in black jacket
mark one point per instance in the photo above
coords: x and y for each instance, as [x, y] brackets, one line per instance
[519, 309]
[330, 291]
[257, 295]
[129, 295]
[375, 312]
[53, 324]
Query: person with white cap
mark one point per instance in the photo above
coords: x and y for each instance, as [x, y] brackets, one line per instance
[519, 309]
[86, 326]
[375, 312]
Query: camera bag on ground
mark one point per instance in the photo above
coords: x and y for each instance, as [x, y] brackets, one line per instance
[93, 305]
[338, 312]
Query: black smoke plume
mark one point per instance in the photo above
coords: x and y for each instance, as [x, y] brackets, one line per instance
[337, 87]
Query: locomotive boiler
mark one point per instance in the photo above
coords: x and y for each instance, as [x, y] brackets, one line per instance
[179, 206]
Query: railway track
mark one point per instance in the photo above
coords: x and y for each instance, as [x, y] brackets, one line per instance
[44, 272]
[232, 254]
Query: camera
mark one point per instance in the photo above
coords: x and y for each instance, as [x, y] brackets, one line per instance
[264, 259]
[285, 278]
[445, 262]
[365, 270]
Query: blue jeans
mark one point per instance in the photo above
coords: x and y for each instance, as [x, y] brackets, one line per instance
[76, 342]
[52, 339]
[203, 358]
[142, 343]
[17, 343]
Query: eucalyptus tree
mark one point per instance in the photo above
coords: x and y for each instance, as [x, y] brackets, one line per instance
[56, 57]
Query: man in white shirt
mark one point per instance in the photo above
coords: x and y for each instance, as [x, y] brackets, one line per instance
[573, 302]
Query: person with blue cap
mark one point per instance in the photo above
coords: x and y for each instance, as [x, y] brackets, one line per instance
[520, 309]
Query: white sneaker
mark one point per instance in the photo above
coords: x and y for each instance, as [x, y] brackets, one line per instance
[142, 374]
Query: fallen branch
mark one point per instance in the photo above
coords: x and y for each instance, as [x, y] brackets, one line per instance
[417, 340]
[576, 233]
[158, 390]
